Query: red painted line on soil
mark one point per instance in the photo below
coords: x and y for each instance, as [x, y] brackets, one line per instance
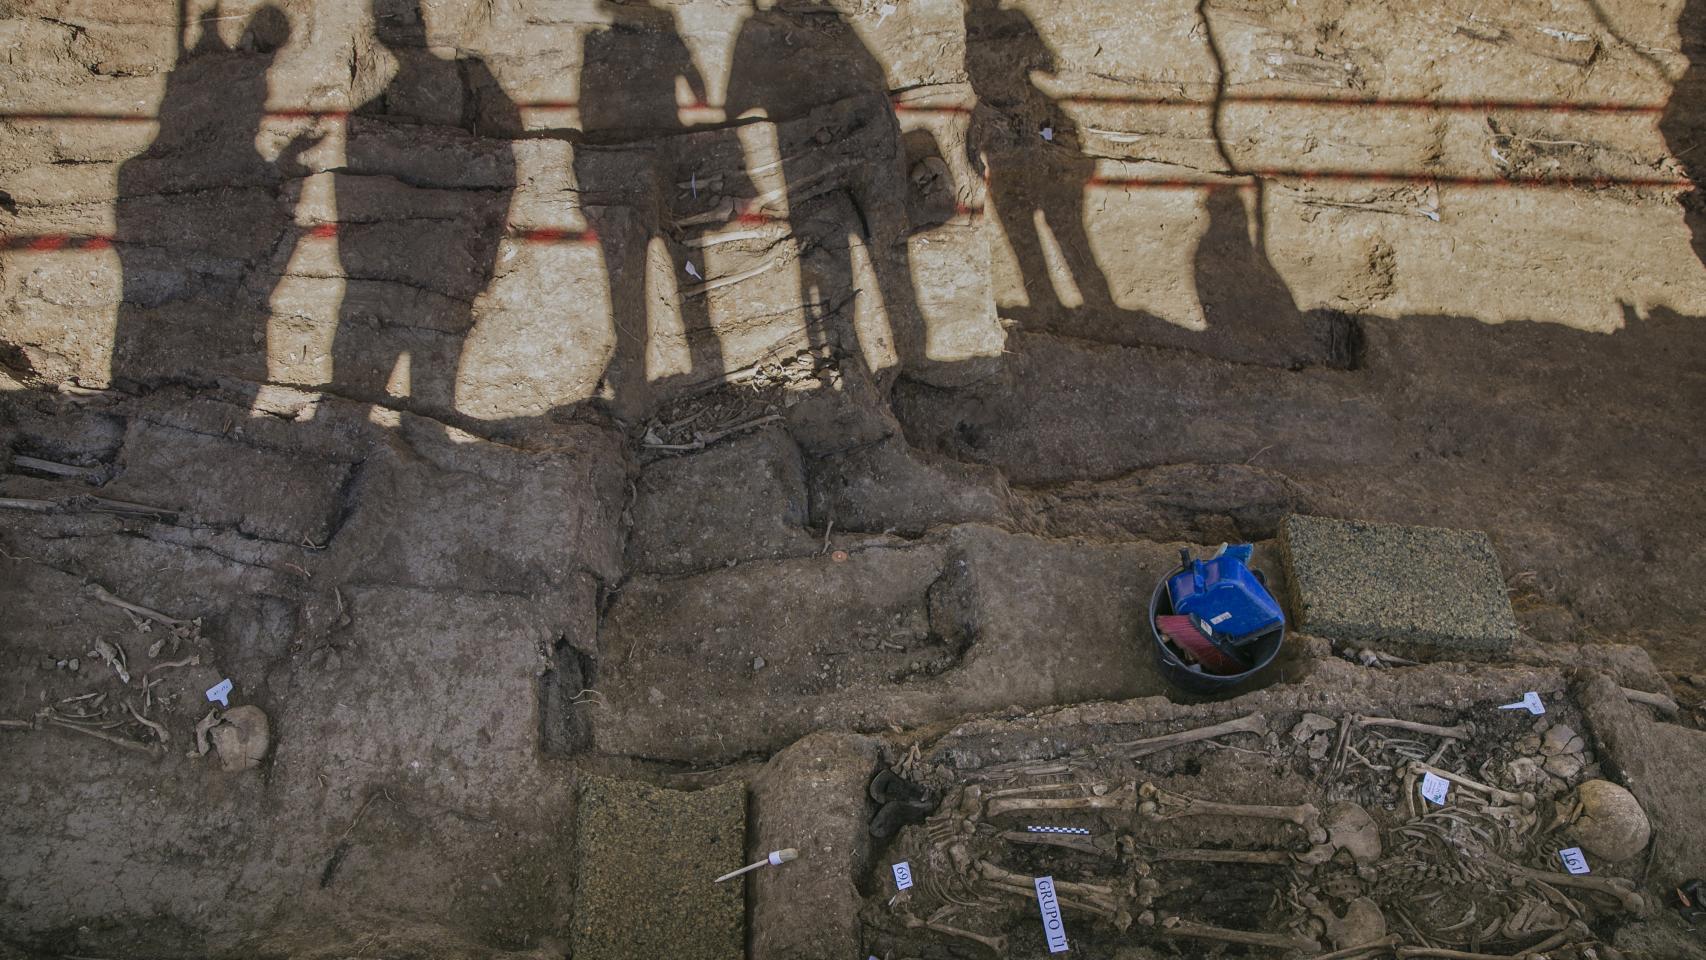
[1450, 105]
[1398, 177]
[1447, 105]
[49, 242]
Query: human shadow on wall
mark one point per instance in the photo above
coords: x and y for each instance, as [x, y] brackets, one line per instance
[1029, 152]
[786, 62]
[423, 204]
[1032, 155]
[1248, 308]
[200, 216]
[625, 160]
[1684, 121]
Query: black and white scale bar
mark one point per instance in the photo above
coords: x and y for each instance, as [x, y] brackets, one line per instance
[1078, 830]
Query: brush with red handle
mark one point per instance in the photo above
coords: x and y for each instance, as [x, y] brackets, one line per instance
[1185, 635]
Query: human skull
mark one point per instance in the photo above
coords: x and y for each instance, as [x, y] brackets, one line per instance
[242, 739]
[1605, 820]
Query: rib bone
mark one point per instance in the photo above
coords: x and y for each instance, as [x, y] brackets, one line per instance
[1166, 805]
[1524, 800]
[1254, 723]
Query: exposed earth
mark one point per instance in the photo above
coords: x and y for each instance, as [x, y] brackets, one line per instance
[580, 428]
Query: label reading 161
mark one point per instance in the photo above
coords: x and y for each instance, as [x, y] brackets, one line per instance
[902, 875]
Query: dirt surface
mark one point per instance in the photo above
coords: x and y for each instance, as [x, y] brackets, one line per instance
[702, 394]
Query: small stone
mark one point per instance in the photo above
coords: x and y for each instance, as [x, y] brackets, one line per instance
[1528, 745]
[758, 663]
[1565, 765]
[1561, 740]
[74, 664]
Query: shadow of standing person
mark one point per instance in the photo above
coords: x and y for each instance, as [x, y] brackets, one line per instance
[786, 62]
[628, 113]
[422, 204]
[1250, 311]
[200, 215]
[1684, 121]
[1028, 150]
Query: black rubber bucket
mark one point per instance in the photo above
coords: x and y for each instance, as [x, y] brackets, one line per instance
[1186, 676]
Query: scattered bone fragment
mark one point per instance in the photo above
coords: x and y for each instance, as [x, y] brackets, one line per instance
[242, 738]
[114, 656]
[94, 476]
[181, 629]
[1657, 701]
[154, 725]
[1463, 731]
[1310, 725]
[1254, 723]
[155, 750]
[202, 728]
[1605, 820]
[190, 661]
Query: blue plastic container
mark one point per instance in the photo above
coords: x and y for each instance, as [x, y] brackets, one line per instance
[1224, 596]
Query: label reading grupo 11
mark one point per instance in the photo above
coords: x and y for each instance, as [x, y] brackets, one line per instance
[1053, 928]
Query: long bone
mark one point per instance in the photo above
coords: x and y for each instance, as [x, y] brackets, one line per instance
[1179, 927]
[1089, 898]
[1096, 891]
[995, 943]
[1616, 887]
[1123, 799]
[1104, 911]
[1524, 800]
[1162, 804]
[1348, 827]
[1463, 731]
[1254, 723]
[1098, 846]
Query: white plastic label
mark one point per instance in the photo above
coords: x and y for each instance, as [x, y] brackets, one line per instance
[1434, 788]
[1574, 861]
[1217, 621]
[1530, 702]
[1053, 928]
[220, 691]
[1048, 134]
[902, 875]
